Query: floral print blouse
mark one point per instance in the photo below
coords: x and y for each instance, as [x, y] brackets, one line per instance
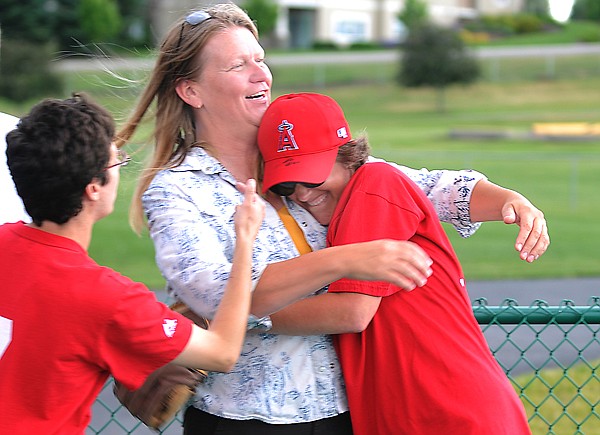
[278, 379]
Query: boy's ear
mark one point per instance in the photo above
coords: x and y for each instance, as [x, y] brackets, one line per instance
[188, 92]
[92, 191]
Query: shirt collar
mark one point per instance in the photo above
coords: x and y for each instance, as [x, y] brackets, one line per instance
[197, 159]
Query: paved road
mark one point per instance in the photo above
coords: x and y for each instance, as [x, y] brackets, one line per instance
[553, 291]
[519, 347]
[84, 62]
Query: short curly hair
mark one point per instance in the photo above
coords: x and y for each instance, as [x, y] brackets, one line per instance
[55, 152]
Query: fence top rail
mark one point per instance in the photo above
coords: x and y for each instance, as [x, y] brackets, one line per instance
[539, 312]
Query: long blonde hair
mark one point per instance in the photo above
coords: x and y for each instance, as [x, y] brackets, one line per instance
[178, 59]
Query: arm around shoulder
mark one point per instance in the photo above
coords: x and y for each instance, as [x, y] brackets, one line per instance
[399, 262]
[328, 313]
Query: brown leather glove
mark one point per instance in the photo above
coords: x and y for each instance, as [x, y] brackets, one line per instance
[167, 389]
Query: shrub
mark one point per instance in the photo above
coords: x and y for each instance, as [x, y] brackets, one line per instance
[415, 13]
[25, 71]
[325, 45]
[501, 25]
[591, 35]
[436, 57]
[264, 12]
[470, 37]
[100, 19]
[506, 25]
[527, 23]
[364, 46]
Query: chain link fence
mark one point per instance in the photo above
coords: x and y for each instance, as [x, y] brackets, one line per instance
[550, 353]
[552, 356]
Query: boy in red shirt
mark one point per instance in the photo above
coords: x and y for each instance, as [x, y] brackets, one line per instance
[67, 323]
[414, 362]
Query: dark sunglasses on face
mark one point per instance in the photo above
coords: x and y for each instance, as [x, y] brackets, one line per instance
[193, 19]
[286, 189]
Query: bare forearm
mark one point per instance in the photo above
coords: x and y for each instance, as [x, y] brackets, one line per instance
[328, 313]
[488, 199]
[490, 202]
[287, 281]
[306, 317]
[401, 263]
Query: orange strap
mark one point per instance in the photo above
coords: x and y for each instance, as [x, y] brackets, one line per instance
[294, 229]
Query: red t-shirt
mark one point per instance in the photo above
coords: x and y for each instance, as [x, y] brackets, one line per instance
[66, 324]
[422, 366]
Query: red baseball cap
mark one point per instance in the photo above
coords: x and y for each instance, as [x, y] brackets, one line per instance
[299, 137]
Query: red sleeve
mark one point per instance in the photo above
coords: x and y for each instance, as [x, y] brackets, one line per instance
[140, 340]
[376, 204]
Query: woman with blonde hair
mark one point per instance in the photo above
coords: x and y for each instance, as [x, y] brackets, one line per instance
[211, 87]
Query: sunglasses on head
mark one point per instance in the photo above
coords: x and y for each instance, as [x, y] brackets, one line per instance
[193, 19]
[287, 188]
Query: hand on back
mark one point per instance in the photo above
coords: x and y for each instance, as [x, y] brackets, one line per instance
[402, 263]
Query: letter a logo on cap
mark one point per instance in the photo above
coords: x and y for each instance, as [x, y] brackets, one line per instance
[286, 137]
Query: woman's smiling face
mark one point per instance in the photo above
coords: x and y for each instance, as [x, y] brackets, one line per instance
[321, 201]
[235, 82]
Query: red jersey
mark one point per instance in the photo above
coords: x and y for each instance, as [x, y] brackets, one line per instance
[422, 366]
[66, 324]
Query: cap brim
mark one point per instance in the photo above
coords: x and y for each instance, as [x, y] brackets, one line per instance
[307, 168]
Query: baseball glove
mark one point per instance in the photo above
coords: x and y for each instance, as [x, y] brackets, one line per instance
[167, 389]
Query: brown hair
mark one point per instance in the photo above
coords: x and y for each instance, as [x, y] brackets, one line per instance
[55, 151]
[354, 153]
[179, 58]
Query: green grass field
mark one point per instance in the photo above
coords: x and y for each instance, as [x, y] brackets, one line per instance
[403, 125]
[564, 401]
[559, 177]
[572, 31]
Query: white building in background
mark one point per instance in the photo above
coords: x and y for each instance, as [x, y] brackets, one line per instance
[301, 23]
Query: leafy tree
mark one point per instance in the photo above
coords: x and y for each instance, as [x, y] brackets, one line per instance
[264, 12]
[40, 21]
[16, 24]
[69, 23]
[136, 19]
[67, 27]
[100, 19]
[437, 57]
[586, 10]
[414, 14]
[25, 72]
[537, 7]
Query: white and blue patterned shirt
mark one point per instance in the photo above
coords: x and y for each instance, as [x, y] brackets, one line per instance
[278, 379]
